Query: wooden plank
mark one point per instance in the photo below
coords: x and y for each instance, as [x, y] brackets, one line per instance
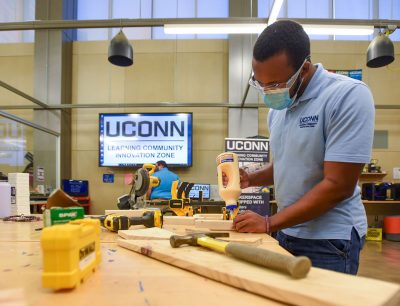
[177, 220]
[208, 216]
[320, 287]
[215, 225]
[156, 233]
[153, 233]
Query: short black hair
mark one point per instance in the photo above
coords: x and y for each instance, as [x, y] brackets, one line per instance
[162, 163]
[283, 36]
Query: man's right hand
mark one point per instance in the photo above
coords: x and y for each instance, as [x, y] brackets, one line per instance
[244, 179]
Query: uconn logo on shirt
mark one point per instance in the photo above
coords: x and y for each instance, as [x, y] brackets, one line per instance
[308, 121]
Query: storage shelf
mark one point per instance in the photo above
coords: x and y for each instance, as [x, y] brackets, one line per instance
[372, 176]
[381, 202]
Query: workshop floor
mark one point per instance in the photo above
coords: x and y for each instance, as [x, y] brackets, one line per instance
[381, 260]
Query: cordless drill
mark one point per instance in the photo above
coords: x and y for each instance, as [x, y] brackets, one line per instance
[116, 222]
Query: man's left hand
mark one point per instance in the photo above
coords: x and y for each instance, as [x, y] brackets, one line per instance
[250, 222]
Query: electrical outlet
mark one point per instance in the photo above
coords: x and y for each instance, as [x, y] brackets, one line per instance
[396, 173]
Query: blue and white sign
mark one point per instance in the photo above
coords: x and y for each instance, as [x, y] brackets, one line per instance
[136, 139]
[253, 155]
[195, 191]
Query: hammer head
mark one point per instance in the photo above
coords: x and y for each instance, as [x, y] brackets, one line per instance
[176, 240]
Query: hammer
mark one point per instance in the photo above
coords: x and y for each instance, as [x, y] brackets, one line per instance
[297, 267]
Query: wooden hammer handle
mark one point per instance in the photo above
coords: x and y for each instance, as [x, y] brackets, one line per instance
[297, 267]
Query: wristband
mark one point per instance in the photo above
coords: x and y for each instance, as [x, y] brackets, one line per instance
[268, 224]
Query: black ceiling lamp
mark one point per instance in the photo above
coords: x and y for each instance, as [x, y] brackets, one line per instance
[120, 51]
[381, 50]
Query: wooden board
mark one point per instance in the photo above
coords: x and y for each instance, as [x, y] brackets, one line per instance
[320, 287]
[208, 216]
[153, 233]
[156, 233]
[177, 220]
[214, 225]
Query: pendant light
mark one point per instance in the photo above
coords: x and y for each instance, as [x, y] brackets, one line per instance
[120, 51]
[380, 51]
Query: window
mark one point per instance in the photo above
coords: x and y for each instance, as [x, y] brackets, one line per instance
[14, 11]
[137, 9]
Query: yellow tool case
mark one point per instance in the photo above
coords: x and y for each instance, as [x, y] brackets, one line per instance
[71, 252]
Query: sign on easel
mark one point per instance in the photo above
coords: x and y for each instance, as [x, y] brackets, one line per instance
[253, 155]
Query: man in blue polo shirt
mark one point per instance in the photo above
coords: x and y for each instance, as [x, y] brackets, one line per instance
[321, 132]
[167, 177]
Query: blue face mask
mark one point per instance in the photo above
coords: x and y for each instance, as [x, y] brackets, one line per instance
[280, 98]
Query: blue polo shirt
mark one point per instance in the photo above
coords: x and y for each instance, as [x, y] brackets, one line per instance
[332, 121]
[163, 191]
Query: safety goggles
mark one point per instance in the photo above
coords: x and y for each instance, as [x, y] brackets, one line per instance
[265, 89]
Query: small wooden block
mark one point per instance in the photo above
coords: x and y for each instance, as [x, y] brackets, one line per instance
[136, 227]
[177, 220]
[215, 225]
[153, 233]
[208, 216]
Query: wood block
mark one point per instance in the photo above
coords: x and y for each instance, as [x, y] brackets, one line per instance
[177, 220]
[208, 216]
[152, 233]
[215, 225]
[136, 227]
[178, 229]
[245, 238]
[319, 288]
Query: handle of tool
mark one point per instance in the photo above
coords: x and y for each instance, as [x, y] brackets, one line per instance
[174, 188]
[297, 267]
[147, 219]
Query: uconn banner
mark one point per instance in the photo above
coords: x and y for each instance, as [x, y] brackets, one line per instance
[135, 139]
[253, 155]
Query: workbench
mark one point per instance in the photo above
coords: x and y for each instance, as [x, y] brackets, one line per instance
[123, 277]
[128, 278]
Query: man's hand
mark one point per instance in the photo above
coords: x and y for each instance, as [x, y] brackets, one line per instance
[244, 179]
[250, 222]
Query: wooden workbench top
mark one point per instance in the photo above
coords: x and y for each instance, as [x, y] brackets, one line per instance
[128, 278]
[123, 277]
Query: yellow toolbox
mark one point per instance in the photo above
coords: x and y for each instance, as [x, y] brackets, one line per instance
[71, 252]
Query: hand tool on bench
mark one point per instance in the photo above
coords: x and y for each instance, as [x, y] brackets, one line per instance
[297, 267]
[116, 222]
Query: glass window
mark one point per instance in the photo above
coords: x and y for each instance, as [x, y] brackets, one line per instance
[264, 8]
[86, 11]
[353, 9]
[14, 11]
[212, 9]
[390, 9]
[133, 9]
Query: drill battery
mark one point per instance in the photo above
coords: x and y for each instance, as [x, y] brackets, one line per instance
[59, 215]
